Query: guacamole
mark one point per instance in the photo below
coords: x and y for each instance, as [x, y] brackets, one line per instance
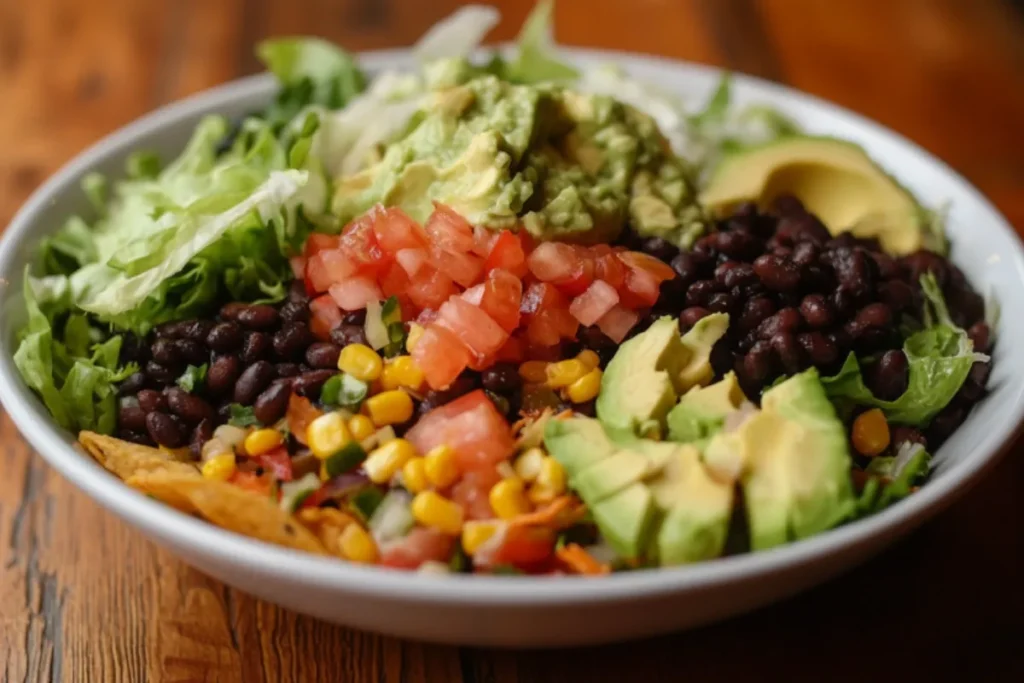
[558, 163]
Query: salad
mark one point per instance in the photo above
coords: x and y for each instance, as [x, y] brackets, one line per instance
[502, 315]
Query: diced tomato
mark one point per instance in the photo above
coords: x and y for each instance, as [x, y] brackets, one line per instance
[524, 546]
[462, 267]
[472, 492]
[418, 546]
[277, 462]
[483, 240]
[412, 260]
[638, 260]
[609, 268]
[298, 265]
[325, 316]
[441, 356]
[513, 351]
[599, 298]
[553, 262]
[394, 230]
[507, 253]
[449, 230]
[538, 297]
[617, 323]
[470, 425]
[542, 331]
[355, 292]
[359, 243]
[641, 289]
[250, 481]
[473, 327]
[326, 267]
[394, 281]
[430, 288]
[581, 278]
[501, 296]
[426, 317]
[301, 412]
[474, 295]
[318, 242]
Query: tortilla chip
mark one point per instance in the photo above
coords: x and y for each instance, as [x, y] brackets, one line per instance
[327, 524]
[125, 459]
[229, 507]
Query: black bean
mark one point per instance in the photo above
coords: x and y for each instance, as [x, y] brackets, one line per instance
[755, 310]
[593, 338]
[587, 408]
[323, 355]
[787, 205]
[688, 267]
[784, 321]
[841, 339]
[287, 369]
[789, 351]
[804, 227]
[659, 248]
[164, 430]
[501, 378]
[817, 311]
[164, 351]
[196, 329]
[310, 383]
[742, 275]
[271, 405]
[253, 381]
[222, 375]
[188, 407]
[819, 348]
[232, 310]
[898, 295]
[202, 433]
[843, 301]
[691, 316]
[924, 261]
[888, 267]
[805, 254]
[700, 291]
[974, 386]
[295, 312]
[346, 334]
[874, 316]
[721, 302]
[980, 336]
[224, 337]
[776, 273]
[256, 347]
[131, 416]
[854, 270]
[722, 358]
[160, 374]
[135, 382]
[463, 384]
[966, 306]
[944, 424]
[192, 352]
[297, 292]
[758, 363]
[171, 330]
[259, 317]
[291, 341]
[141, 438]
[150, 400]
[133, 349]
[355, 317]
[887, 377]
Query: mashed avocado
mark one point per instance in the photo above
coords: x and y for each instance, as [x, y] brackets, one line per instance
[561, 164]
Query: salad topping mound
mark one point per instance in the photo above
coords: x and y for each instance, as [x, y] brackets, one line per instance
[506, 317]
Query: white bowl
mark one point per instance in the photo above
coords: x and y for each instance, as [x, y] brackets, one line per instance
[547, 611]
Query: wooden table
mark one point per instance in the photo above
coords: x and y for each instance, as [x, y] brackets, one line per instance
[83, 597]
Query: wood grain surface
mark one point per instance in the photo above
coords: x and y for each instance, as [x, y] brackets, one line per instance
[84, 598]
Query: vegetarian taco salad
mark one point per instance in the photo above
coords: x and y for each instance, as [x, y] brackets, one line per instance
[503, 315]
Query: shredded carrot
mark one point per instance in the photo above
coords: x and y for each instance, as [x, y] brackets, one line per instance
[579, 561]
[558, 514]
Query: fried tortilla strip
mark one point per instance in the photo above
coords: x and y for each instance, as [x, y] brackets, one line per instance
[327, 524]
[125, 459]
[229, 507]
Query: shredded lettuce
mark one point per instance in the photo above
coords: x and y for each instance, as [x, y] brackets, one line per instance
[939, 357]
[893, 478]
[458, 34]
[535, 60]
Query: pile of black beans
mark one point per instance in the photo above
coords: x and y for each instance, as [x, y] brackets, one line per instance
[799, 297]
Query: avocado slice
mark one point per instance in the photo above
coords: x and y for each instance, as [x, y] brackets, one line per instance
[626, 520]
[577, 443]
[792, 460]
[835, 179]
[648, 372]
[700, 413]
[616, 472]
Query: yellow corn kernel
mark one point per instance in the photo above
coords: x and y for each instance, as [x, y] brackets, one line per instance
[357, 545]
[589, 358]
[401, 371]
[552, 475]
[385, 461]
[870, 433]
[262, 441]
[414, 475]
[527, 465]
[540, 495]
[507, 498]
[360, 361]
[440, 466]
[327, 434]
[534, 371]
[389, 407]
[586, 387]
[361, 427]
[565, 372]
[475, 534]
[431, 509]
[220, 467]
[415, 332]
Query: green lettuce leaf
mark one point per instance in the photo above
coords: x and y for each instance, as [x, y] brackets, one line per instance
[893, 478]
[535, 61]
[939, 357]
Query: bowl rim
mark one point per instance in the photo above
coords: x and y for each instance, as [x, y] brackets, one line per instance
[273, 562]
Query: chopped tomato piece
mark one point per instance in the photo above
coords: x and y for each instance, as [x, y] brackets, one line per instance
[513, 351]
[298, 265]
[300, 413]
[449, 230]
[394, 230]
[483, 240]
[325, 316]
[609, 268]
[277, 462]
[638, 260]
[430, 288]
[318, 242]
[471, 426]
[473, 327]
[326, 267]
[441, 356]
[553, 262]
[617, 323]
[250, 481]
[641, 290]
[394, 281]
[590, 306]
[501, 296]
[418, 546]
[524, 546]
[462, 267]
[359, 243]
[507, 253]
[412, 260]
[539, 297]
[355, 292]
[581, 278]
[473, 490]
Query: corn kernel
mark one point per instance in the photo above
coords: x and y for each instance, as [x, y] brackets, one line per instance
[357, 545]
[586, 387]
[361, 427]
[415, 332]
[431, 509]
[220, 467]
[534, 371]
[262, 441]
[214, 447]
[414, 475]
[552, 475]
[440, 466]
[870, 433]
[565, 372]
[385, 461]
[475, 534]
[589, 358]
[401, 371]
[389, 407]
[527, 465]
[507, 498]
[360, 361]
[540, 495]
[327, 434]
